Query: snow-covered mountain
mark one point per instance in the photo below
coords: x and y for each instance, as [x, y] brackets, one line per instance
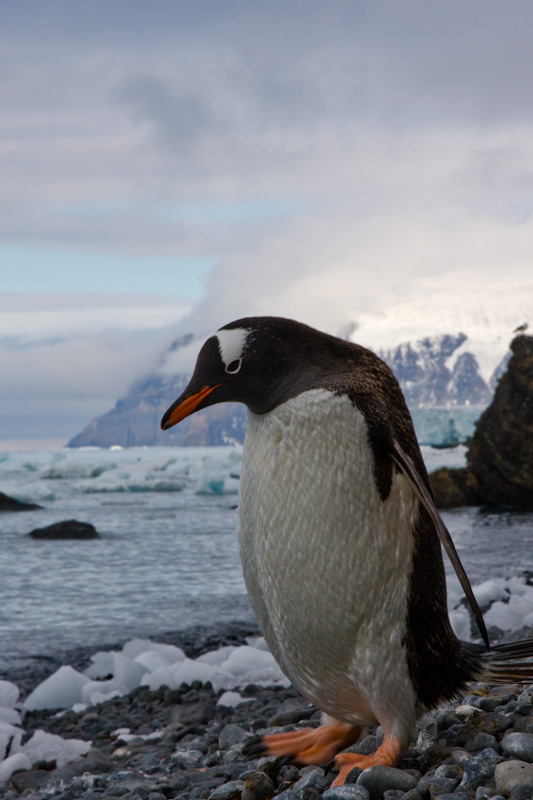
[447, 352]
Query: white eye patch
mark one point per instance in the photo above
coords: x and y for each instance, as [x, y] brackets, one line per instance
[231, 344]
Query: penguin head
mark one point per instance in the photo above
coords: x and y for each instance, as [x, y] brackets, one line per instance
[258, 361]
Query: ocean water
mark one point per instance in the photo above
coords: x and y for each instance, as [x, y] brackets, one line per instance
[168, 557]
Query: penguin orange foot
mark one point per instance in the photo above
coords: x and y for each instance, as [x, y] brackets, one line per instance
[312, 745]
[387, 755]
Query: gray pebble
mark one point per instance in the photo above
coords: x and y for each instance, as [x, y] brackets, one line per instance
[231, 735]
[454, 796]
[480, 768]
[366, 746]
[347, 792]
[378, 779]
[431, 783]
[443, 721]
[228, 791]
[509, 774]
[393, 794]
[258, 787]
[519, 745]
[480, 742]
[311, 778]
[522, 792]
[484, 793]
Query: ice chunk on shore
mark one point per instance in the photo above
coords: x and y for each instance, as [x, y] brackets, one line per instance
[48, 747]
[60, 690]
[10, 736]
[232, 699]
[9, 694]
[15, 763]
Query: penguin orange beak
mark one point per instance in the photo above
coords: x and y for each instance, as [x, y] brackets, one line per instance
[176, 413]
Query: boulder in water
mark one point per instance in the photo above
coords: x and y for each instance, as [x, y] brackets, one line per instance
[10, 504]
[69, 529]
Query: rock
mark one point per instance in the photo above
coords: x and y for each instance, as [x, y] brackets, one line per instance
[454, 487]
[480, 742]
[479, 769]
[258, 787]
[68, 529]
[32, 779]
[378, 779]
[347, 792]
[519, 745]
[501, 450]
[10, 504]
[435, 785]
[412, 794]
[311, 778]
[199, 713]
[522, 792]
[231, 735]
[228, 791]
[492, 723]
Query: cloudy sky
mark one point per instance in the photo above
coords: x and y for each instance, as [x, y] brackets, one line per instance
[170, 166]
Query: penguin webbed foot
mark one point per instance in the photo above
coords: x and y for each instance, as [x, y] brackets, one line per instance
[306, 745]
[388, 754]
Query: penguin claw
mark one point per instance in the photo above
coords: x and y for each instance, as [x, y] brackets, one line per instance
[255, 747]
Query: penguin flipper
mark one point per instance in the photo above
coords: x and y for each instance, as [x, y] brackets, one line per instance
[406, 465]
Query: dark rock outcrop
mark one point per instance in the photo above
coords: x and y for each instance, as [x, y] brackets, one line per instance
[10, 504]
[69, 529]
[454, 487]
[499, 469]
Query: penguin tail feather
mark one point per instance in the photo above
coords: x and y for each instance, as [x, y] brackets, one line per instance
[507, 663]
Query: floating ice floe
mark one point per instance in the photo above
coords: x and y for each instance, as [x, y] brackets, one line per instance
[213, 470]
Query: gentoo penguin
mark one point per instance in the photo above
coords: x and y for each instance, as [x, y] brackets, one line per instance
[340, 539]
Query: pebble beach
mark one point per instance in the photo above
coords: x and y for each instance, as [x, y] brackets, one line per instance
[190, 742]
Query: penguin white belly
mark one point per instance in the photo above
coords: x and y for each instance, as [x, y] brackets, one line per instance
[326, 560]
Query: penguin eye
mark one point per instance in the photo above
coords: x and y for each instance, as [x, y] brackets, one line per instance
[234, 367]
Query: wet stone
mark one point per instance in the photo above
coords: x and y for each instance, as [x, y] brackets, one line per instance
[519, 745]
[378, 779]
[479, 768]
[484, 793]
[32, 779]
[512, 773]
[258, 787]
[443, 721]
[347, 792]
[231, 735]
[480, 742]
[435, 785]
[228, 791]
[522, 792]
[311, 778]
